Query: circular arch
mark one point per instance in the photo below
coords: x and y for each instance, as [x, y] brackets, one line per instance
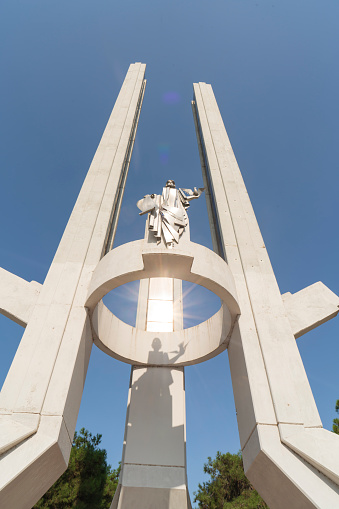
[140, 260]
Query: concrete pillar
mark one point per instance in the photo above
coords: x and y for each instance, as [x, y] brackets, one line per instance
[283, 443]
[153, 467]
[40, 399]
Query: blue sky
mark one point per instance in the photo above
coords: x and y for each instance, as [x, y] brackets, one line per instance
[274, 70]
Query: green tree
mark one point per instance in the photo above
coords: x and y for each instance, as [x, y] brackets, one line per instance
[336, 421]
[228, 487]
[88, 483]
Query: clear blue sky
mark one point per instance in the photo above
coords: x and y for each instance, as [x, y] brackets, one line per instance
[274, 69]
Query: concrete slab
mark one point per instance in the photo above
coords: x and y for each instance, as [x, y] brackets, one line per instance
[310, 308]
[17, 297]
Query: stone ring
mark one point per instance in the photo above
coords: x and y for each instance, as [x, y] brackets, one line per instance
[140, 260]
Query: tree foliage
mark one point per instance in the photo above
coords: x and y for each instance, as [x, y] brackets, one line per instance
[336, 421]
[228, 487]
[88, 483]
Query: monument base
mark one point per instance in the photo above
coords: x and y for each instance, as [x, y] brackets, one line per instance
[151, 498]
[153, 467]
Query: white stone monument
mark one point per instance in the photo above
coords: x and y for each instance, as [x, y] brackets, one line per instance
[291, 460]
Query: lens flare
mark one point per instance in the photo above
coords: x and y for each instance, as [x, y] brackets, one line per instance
[123, 302]
[171, 98]
[163, 151]
[200, 305]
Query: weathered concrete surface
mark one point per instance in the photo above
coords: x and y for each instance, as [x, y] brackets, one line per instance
[49, 369]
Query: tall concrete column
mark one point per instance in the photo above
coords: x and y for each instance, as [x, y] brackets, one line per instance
[287, 455]
[153, 467]
[40, 399]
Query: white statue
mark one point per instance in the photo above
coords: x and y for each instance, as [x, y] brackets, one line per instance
[167, 211]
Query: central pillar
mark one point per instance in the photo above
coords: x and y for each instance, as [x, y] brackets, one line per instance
[153, 467]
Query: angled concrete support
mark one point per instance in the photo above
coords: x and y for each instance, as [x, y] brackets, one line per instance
[283, 443]
[17, 297]
[310, 307]
[40, 399]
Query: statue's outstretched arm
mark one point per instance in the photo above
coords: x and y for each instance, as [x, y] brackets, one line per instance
[188, 194]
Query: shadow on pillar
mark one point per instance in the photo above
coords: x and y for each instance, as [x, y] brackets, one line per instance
[153, 473]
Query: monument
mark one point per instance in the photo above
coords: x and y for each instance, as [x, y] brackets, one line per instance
[290, 459]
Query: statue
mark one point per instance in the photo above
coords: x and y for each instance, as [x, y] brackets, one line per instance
[167, 211]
